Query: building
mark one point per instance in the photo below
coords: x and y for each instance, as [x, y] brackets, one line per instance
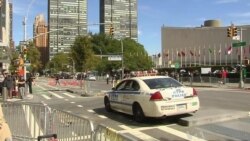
[121, 15]
[5, 34]
[66, 20]
[41, 38]
[202, 46]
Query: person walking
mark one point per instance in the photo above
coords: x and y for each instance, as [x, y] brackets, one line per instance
[21, 86]
[223, 76]
[107, 78]
[29, 82]
[8, 83]
[57, 80]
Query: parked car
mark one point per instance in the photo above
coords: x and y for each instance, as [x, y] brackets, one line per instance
[91, 78]
[151, 96]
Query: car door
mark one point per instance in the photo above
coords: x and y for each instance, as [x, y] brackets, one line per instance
[130, 95]
[116, 96]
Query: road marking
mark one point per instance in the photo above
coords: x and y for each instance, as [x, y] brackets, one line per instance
[124, 127]
[56, 95]
[91, 111]
[79, 106]
[46, 97]
[180, 134]
[101, 116]
[72, 102]
[66, 99]
[69, 95]
[137, 133]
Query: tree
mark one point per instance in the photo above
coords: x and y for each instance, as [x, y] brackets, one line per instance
[33, 55]
[59, 62]
[131, 51]
[82, 53]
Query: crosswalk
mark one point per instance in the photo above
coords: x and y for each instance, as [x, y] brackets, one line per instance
[46, 94]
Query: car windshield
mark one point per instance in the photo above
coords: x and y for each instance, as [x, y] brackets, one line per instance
[157, 83]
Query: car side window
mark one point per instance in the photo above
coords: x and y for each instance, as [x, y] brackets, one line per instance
[121, 86]
[135, 86]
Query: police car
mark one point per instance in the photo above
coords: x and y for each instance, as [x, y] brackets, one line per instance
[151, 96]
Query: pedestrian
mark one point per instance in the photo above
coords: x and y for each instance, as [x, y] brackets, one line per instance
[29, 82]
[223, 75]
[107, 78]
[8, 83]
[21, 86]
[57, 80]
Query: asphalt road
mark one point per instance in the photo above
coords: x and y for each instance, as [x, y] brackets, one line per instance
[223, 114]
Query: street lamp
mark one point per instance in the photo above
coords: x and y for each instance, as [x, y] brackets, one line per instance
[73, 65]
[122, 58]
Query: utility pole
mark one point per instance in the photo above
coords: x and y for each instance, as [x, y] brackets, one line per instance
[24, 39]
[241, 85]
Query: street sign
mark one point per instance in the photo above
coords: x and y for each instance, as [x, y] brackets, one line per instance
[236, 37]
[177, 65]
[239, 44]
[115, 58]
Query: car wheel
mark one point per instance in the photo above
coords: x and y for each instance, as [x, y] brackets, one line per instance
[107, 105]
[138, 113]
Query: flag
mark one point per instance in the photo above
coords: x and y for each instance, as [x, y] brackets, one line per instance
[178, 53]
[219, 51]
[210, 50]
[199, 53]
[191, 53]
[182, 53]
[229, 50]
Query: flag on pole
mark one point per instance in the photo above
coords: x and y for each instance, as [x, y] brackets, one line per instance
[178, 53]
[191, 53]
[210, 50]
[199, 53]
[229, 50]
[182, 53]
[219, 51]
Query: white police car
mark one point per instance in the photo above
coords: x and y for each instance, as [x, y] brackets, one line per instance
[151, 96]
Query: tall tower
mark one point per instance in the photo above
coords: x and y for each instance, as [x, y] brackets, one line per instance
[122, 15]
[66, 20]
[40, 30]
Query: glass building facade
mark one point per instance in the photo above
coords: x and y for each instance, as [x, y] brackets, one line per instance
[122, 14]
[67, 19]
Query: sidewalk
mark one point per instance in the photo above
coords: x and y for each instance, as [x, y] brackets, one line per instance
[218, 85]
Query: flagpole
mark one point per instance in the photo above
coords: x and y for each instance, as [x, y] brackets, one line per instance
[204, 55]
[220, 54]
[172, 56]
[227, 53]
[215, 57]
[185, 57]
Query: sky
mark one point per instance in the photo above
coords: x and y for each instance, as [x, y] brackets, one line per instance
[152, 15]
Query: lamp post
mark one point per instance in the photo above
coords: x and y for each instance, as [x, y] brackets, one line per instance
[73, 69]
[122, 59]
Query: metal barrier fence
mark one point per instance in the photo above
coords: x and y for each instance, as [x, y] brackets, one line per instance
[28, 121]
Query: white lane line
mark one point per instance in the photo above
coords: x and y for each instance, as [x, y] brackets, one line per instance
[137, 133]
[72, 102]
[79, 106]
[46, 97]
[56, 95]
[66, 99]
[91, 111]
[69, 95]
[124, 127]
[180, 134]
[101, 116]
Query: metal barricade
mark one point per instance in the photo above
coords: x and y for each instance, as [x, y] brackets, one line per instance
[103, 133]
[29, 121]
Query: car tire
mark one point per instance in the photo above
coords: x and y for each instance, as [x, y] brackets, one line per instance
[107, 105]
[138, 113]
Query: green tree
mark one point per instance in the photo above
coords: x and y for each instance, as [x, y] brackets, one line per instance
[135, 56]
[59, 63]
[83, 55]
[33, 55]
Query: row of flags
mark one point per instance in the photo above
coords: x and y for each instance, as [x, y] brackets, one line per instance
[228, 51]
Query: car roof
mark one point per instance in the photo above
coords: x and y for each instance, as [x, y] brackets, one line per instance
[148, 77]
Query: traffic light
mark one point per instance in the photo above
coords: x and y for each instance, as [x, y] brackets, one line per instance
[230, 32]
[235, 31]
[25, 50]
[111, 30]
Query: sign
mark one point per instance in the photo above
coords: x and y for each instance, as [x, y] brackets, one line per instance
[115, 58]
[239, 44]
[177, 65]
[236, 37]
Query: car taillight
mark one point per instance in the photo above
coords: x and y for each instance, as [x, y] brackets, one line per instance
[195, 92]
[156, 96]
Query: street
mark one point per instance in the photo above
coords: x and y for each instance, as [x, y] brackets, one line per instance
[224, 113]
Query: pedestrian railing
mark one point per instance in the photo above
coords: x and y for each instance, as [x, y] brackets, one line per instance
[32, 122]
